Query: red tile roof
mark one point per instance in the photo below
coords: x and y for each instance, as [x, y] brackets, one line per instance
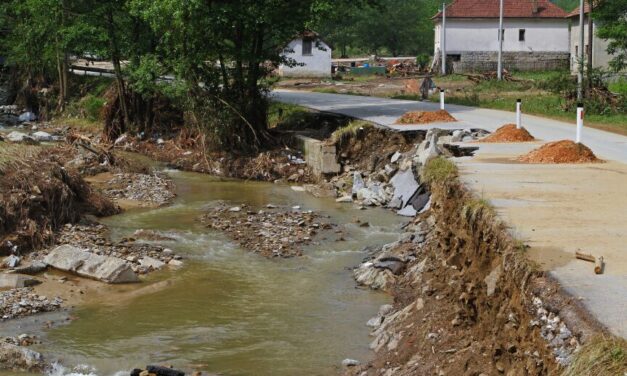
[511, 9]
[575, 13]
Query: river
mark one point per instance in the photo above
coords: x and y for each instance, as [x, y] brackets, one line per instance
[229, 311]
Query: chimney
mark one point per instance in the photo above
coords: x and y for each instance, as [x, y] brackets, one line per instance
[534, 6]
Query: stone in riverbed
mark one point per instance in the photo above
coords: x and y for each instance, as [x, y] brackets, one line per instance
[16, 358]
[11, 262]
[42, 136]
[153, 263]
[86, 264]
[350, 362]
[19, 137]
[34, 268]
[14, 281]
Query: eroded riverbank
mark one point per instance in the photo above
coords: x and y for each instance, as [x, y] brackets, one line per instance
[226, 310]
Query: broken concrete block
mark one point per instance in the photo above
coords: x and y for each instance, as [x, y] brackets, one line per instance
[405, 186]
[86, 264]
[407, 211]
[358, 182]
[14, 281]
[395, 157]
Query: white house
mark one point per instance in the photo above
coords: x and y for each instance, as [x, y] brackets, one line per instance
[312, 55]
[535, 35]
[600, 57]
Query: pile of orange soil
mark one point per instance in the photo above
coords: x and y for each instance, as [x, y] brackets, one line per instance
[561, 152]
[423, 117]
[509, 133]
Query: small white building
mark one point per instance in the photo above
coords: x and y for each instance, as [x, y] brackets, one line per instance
[535, 36]
[600, 57]
[311, 54]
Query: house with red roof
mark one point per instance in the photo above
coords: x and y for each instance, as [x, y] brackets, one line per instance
[535, 35]
[600, 57]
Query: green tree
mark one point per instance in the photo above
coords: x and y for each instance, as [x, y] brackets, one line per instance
[611, 15]
[220, 53]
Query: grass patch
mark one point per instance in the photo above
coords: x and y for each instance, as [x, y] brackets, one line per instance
[600, 357]
[12, 155]
[350, 130]
[79, 123]
[285, 113]
[475, 208]
[439, 170]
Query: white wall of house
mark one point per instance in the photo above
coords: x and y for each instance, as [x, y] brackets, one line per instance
[471, 35]
[600, 57]
[316, 64]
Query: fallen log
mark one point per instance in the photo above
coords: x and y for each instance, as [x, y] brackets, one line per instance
[585, 257]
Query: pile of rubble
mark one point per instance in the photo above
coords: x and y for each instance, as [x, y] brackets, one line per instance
[155, 189]
[397, 185]
[272, 232]
[143, 258]
[24, 302]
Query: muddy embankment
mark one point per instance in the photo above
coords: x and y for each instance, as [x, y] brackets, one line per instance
[467, 301]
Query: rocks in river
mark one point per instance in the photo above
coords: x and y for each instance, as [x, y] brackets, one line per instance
[103, 268]
[19, 358]
[42, 136]
[92, 238]
[151, 263]
[13, 280]
[19, 137]
[27, 116]
[11, 262]
[350, 362]
[155, 189]
[277, 232]
[33, 268]
[23, 302]
[157, 371]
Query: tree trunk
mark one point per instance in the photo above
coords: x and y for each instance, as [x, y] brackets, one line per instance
[115, 59]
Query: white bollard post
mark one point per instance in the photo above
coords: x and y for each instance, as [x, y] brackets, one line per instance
[441, 99]
[580, 114]
[518, 113]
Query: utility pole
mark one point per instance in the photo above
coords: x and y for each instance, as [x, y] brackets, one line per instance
[500, 64]
[443, 39]
[590, 42]
[581, 52]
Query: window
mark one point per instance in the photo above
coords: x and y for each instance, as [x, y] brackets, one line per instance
[502, 35]
[521, 35]
[307, 47]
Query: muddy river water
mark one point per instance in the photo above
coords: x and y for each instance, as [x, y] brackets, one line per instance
[229, 311]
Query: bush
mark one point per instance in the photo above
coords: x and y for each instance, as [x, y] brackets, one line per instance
[91, 107]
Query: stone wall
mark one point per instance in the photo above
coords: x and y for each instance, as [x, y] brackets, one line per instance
[512, 61]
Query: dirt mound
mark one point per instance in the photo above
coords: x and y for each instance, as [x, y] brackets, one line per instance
[509, 133]
[561, 152]
[424, 117]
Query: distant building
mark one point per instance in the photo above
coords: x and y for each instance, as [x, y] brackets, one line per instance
[536, 35]
[311, 53]
[600, 57]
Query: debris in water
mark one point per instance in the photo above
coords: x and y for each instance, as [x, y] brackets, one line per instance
[271, 233]
[561, 152]
[509, 133]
